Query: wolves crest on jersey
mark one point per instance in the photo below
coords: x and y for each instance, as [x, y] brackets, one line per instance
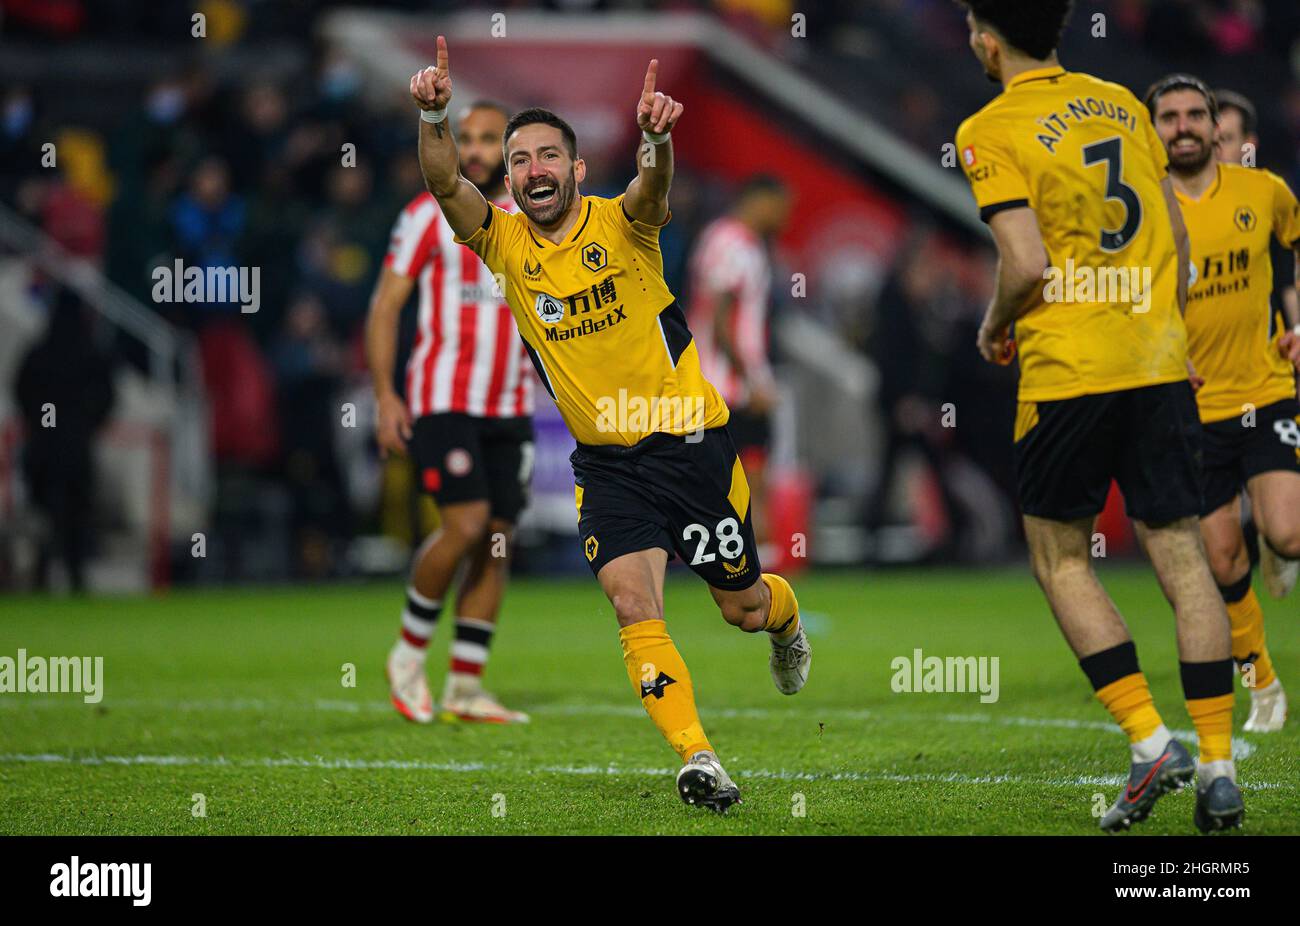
[614, 329]
[1232, 326]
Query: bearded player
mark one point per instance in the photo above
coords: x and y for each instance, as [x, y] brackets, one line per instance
[1066, 165]
[1247, 356]
[584, 279]
[466, 419]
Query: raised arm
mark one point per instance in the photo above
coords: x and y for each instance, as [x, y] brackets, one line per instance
[656, 114]
[461, 202]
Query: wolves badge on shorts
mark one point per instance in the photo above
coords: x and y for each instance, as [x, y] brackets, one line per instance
[591, 547]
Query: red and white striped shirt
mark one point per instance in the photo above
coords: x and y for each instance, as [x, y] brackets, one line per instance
[468, 356]
[729, 259]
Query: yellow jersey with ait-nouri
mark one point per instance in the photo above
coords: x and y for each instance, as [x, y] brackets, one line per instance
[608, 339]
[1232, 326]
[1083, 155]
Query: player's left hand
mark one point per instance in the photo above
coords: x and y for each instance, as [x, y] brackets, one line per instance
[995, 346]
[1289, 346]
[656, 112]
[1196, 379]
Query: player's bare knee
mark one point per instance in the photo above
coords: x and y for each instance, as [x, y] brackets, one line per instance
[1227, 564]
[632, 607]
[1286, 543]
[1056, 570]
[465, 526]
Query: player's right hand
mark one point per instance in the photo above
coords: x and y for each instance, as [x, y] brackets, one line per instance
[392, 425]
[431, 87]
[1289, 347]
[995, 346]
[1196, 379]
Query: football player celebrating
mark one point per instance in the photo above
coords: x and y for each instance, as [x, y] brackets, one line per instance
[655, 470]
[1247, 357]
[467, 418]
[1064, 164]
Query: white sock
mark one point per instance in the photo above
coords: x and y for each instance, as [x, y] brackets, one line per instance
[460, 684]
[1268, 690]
[1208, 772]
[406, 650]
[1149, 749]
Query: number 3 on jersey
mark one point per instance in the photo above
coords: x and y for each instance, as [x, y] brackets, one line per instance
[730, 543]
[1111, 152]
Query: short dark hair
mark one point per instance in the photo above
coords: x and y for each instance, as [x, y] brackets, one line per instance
[1033, 28]
[535, 116]
[488, 104]
[1230, 99]
[1175, 82]
[761, 183]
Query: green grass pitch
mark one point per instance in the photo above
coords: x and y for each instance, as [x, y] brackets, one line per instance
[238, 696]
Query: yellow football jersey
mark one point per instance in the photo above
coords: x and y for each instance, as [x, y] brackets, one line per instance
[1232, 328]
[1082, 153]
[609, 341]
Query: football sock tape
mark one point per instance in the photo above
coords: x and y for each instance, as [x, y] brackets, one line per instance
[1248, 645]
[1122, 689]
[1207, 686]
[783, 613]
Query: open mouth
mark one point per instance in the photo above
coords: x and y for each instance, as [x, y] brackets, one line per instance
[542, 194]
[1186, 146]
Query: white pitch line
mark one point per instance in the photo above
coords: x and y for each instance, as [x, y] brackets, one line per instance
[1241, 749]
[417, 765]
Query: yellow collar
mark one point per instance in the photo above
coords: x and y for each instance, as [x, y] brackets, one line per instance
[1054, 71]
[1209, 190]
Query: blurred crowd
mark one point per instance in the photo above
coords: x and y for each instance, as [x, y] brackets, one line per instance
[286, 169]
[291, 173]
[871, 55]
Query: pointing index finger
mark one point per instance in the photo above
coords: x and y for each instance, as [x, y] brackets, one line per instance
[648, 91]
[442, 55]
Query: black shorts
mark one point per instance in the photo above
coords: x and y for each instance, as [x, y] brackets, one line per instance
[665, 492]
[1234, 452]
[751, 432]
[1146, 439]
[461, 458]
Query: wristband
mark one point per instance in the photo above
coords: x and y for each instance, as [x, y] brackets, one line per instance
[433, 115]
[655, 139]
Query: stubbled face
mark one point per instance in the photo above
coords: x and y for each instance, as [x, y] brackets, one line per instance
[1183, 122]
[1231, 138]
[478, 139]
[985, 48]
[542, 176]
